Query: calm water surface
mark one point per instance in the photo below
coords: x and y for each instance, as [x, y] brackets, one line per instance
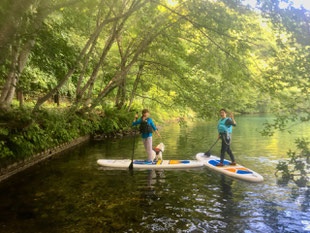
[72, 194]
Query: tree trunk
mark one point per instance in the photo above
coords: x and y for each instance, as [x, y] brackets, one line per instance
[123, 92]
[57, 99]
[102, 81]
[6, 86]
[105, 51]
[78, 87]
[10, 22]
[118, 96]
[115, 32]
[116, 79]
[10, 80]
[44, 98]
[20, 97]
[11, 93]
[22, 58]
[135, 86]
[18, 69]
[122, 73]
[96, 33]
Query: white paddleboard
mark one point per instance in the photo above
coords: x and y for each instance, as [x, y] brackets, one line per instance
[142, 164]
[236, 171]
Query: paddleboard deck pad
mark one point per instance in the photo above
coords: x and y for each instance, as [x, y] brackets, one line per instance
[236, 171]
[142, 164]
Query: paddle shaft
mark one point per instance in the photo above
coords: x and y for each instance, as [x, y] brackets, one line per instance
[212, 146]
[133, 149]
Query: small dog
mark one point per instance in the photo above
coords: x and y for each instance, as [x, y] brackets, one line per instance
[157, 153]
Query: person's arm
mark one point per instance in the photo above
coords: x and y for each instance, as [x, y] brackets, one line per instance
[231, 121]
[154, 128]
[232, 118]
[135, 121]
[158, 133]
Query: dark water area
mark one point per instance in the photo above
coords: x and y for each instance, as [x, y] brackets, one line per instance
[71, 193]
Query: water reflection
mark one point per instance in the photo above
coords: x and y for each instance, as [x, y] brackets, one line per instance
[155, 177]
[148, 191]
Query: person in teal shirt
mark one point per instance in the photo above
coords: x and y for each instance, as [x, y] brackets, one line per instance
[225, 129]
[146, 128]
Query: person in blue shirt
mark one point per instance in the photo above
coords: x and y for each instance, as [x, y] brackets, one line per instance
[225, 129]
[146, 128]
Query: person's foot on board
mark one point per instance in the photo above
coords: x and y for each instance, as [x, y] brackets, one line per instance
[219, 165]
[148, 162]
[232, 163]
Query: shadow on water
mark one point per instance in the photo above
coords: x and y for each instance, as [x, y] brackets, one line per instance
[72, 194]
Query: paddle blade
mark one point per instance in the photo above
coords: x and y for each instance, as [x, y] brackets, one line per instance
[208, 154]
[131, 166]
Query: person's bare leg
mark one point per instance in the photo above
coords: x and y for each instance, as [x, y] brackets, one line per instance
[148, 147]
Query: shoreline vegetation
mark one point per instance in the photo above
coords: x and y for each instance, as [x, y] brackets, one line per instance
[24, 134]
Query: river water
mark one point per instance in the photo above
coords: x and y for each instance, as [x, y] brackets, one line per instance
[70, 193]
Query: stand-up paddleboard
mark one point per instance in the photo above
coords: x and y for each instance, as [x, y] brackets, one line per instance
[142, 164]
[236, 171]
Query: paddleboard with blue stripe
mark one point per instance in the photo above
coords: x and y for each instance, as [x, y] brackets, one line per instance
[236, 171]
[161, 164]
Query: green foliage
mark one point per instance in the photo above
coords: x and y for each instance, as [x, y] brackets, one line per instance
[49, 128]
[5, 151]
[297, 168]
[115, 120]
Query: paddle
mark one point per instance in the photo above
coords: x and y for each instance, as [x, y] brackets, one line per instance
[133, 149]
[208, 153]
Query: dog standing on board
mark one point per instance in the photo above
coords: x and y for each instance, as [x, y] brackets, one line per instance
[157, 152]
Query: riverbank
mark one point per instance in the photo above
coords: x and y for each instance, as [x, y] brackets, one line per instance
[25, 136]
[21, 165]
